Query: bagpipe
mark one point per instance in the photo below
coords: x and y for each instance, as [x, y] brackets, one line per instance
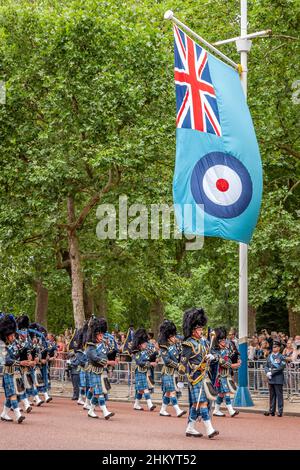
[152, 352]
[234, 353]
[25, 349]
[125, 354]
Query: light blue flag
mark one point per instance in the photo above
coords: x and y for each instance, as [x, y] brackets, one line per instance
[218, 169]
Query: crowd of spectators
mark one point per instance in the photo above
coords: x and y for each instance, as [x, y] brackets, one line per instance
[260, 346]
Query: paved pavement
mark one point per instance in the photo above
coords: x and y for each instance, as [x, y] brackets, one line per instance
[120, 392]
[62, 424]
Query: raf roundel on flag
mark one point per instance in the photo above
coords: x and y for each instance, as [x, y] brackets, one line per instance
[218, 169]
[222, 184]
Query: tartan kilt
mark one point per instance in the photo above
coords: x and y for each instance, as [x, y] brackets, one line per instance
[141, 381]
[46, 376]
[8, 385]
[95, 383]
[194, 391]
[31, 392]
[221, 385]
[84, 379]
[167, 383]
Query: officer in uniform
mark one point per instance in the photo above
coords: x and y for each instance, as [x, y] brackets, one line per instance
[194, 363]
[170, 350]
[274, 370]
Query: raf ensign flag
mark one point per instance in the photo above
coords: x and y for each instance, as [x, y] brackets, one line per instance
[218, 168]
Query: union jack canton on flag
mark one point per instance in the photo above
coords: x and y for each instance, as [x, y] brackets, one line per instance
[195, 95]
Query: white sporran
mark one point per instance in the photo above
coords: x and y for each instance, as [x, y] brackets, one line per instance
[209, 389]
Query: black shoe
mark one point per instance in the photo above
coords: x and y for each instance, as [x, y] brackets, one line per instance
[213, 434]
[272, 414]
[188, 434]
[110, 415]
[266, 413]
[279, 415]
[75, 398]
[20, 419]
[10, 420]
[152, 408]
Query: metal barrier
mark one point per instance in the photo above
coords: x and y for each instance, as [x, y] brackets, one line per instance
[258, 382]
[123, 375]
[121, 378]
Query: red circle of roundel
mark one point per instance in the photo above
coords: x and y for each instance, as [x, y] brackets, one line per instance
[222, 184]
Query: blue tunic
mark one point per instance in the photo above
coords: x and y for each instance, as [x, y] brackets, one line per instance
[12, 362]
[170, 355]
[97, 360]
[276, 365]
[142, 364]
[193, 365]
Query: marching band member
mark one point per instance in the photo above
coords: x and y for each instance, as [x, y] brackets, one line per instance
[142, 359]
[194, 362]
[97, 360]
[42, 377]
[224, 382]
[12, 380]
[23, 343]
[153, 353]
[85, 395]
[170, 352]
[112, 356]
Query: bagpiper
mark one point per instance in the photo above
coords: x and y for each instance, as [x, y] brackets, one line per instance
[194, 364]
[85, 395]
[141, 356]
[224, 382]
[42, 374]
[170, 350]
[28, 372]
[12, 379]
[97, 360]
[112, 356]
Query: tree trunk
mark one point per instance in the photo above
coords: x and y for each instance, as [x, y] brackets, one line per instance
[88, 300]
[251, 320]
[76, 273]
[294, 322]
[41, 303]
[156, 316]
[100, 300]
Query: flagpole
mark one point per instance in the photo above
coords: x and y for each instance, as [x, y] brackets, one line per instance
[243, 397]
[169, 15]
[243, 44]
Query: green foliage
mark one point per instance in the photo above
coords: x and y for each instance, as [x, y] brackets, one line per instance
[90, 89]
